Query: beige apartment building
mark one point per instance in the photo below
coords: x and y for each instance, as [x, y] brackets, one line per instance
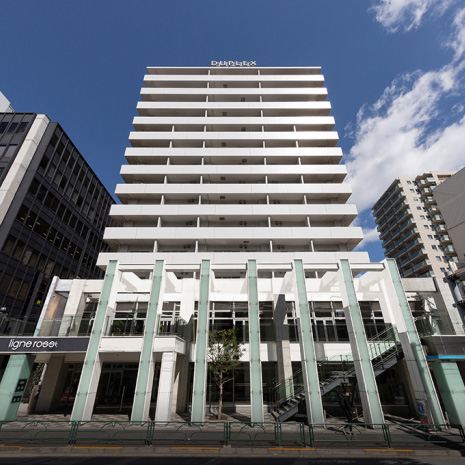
[412, 227]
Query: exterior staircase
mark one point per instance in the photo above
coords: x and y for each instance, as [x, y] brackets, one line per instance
[286, 397]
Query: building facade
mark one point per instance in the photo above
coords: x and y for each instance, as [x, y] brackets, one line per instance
[53, 210]
[234, 216]
[412, 228]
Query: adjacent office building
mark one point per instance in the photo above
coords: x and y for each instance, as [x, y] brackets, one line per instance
[412, 228]
[234, 214]
[53, 210]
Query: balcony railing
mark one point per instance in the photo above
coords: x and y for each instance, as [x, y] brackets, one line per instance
[176, 327]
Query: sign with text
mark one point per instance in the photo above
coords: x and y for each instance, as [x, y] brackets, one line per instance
[234, 63]
[32, 345]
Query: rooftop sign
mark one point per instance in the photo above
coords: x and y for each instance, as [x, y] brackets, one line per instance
[234, 63]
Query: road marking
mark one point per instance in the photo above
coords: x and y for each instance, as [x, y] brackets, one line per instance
[389, 450]
[201, 448]
[17, 447]
[291, 448]
[95, 447]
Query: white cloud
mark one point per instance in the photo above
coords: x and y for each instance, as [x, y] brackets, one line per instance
[369, 235]
[399, 134]
[407, 14]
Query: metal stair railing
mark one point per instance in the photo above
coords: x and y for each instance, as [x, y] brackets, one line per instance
[383, 346]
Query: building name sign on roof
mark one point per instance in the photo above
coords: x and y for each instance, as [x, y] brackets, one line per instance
[234, 63]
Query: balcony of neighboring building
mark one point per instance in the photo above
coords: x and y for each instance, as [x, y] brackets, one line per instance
[414, 256]
[445, 239]
[396, 233]
[437, 219]
[389, 245]
[440, 229]
[409, 248]
[449, 250]
[419, 268]
[433, 210]
[429, 200]
[426, 182]
[395, 188]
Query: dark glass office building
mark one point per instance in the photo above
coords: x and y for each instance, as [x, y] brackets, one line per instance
[53, 211]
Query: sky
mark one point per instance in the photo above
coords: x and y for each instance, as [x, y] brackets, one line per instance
[394, 70]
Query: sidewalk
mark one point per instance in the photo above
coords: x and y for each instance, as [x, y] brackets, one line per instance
[110, 435]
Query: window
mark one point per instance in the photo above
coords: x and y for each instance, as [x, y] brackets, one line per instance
[22, 128]
[12, 128]
[426, 226]
[438, 258]
[443, 270]
[418, 208]
[434, 247]
[2, 149]
[430, 236]
[422, 217]
[415, 199]
[412, 190]
[409, 182]
[3, 127]
[10, 150]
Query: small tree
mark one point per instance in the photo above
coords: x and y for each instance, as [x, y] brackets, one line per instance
[224, 352]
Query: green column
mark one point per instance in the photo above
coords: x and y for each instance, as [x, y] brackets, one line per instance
[256, 389]
[366, 380]
[412, 344]
[85, 396]
[141, 404]
[13, 385]
[309, 366]
[200, 368]
[452, 389]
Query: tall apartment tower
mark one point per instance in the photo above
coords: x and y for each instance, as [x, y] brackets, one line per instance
[231, 164]
[412, 228]
[234, 215]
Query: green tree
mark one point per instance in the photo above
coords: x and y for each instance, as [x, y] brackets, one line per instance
[224, 352]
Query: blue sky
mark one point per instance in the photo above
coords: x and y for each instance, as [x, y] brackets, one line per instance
[393, 69]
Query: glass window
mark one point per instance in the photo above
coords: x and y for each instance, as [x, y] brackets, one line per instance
[12, 128]
[22, 127]
[3, 127]
[426, 226]
[9, 244]
[438, 258]
[23, 291]
[434, 247]
[2, 149]
[418, 208]
[14, 288]
[443, 270]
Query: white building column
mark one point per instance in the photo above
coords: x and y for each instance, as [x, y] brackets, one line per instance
[165, 386]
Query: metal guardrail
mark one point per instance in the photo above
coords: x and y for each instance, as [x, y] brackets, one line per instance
[227, 432]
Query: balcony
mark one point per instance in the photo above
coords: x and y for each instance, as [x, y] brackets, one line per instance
[449, 249]
[433, 210]
[412, 256]
[437, 219]
[445, 239]
[426, 182]
[421, 265]
[441, 229]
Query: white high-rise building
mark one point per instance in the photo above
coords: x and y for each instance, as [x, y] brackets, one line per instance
[234, 215]
[230, 164]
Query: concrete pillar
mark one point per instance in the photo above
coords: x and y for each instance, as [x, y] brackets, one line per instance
[88, 384]
[182, 384]
[201, 347]
[414, 356]
[452, 389]
[307, 349]
[283, 348]
[13, 385]
[144, 383]
[52, 385]
[256, 386]
[366, 380]
[165, 386]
